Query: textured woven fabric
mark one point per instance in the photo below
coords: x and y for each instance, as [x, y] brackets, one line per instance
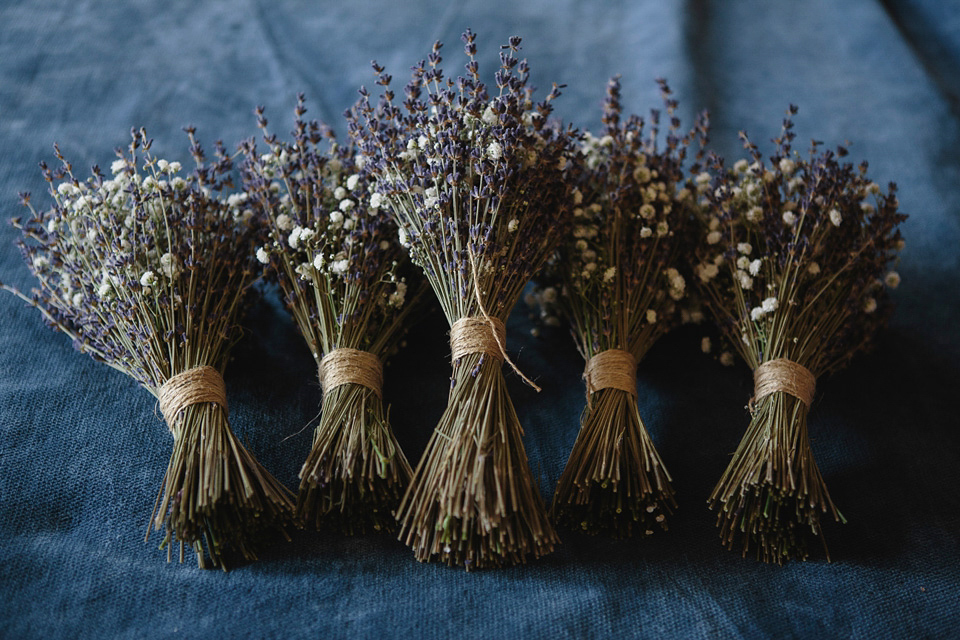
[82, 448]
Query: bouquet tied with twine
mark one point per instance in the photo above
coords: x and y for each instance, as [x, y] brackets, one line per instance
[147, 271]
[475, 183]
[335, 254]
[620, 291]
[794, 266]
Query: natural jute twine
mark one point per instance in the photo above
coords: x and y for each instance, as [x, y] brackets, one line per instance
[351, 366]
[194, 386]
[476, 335]
[611, 369]
[783, 375]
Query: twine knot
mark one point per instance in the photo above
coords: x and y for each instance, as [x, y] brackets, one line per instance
[783, 375]
[611, 369]
[351, 366]
[194, 386]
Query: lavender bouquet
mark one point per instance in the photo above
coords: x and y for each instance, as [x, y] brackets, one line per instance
[621, 291]
[337, 259]
[476, 186]
[794, 265]
[147, 271]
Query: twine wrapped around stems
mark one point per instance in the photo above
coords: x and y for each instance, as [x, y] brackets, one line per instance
[611, 369]
[194, 386]
[476, 335]
[351, 366]
[783, 375]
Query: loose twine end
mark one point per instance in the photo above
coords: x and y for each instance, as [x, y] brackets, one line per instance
[351, 366]
[494, 326]
[611, 369]
[194, 386]
[482, 335]
[786, 376]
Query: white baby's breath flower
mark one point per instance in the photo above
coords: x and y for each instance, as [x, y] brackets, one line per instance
[892, 280]
[174, 167]
[169, 265]
[707, 271]
[703, 179]
[754, 267]
[813, 269]
[744, 248]
[346, 204]
[339, 267]
[646, 232]
[754, 214]
[494, 150]
[740, 166]
[77, 299]
[512, 225]
[353, 181]
[870, 305]
[339, 193]
[294, 238]
[404, 240]
[787, 165]
[117, 166]
[398, 297]
[663, 228]
[284, 222]
[647, 211]
[746, 282]
[743, 262]
[705, 344]
[262, 256]
[726, 359]
[336, 218]
[148, 279]
[651, 316]
[641, 174]
[789, 218]
[714, 237]
[835, 217]
[376, 200]
[178, 183]
[609, 274]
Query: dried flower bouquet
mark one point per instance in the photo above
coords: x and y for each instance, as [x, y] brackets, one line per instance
[476, 185]
[148, 271]
[794, 265]
[620, 290]
[336, 256]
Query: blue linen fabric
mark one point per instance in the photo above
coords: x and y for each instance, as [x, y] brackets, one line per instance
[82, 452]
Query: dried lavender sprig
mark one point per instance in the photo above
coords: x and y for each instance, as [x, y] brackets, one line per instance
[149, 273]
[793, 265]
[475, 184]
[621, 290]
[335, 254]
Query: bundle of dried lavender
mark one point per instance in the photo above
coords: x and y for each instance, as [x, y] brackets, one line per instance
[336, 256]
[147, 271]
[620, 291]
[476, 185]
[793, 265]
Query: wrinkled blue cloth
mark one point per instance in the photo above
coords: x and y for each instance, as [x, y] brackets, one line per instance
[82, 452]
